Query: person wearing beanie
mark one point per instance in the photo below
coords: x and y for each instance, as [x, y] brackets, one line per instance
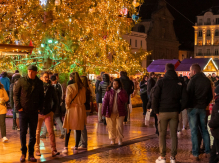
[214, 126]
[29, 100]
[5, 81]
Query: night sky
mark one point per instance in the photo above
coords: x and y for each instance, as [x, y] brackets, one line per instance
[189, 8]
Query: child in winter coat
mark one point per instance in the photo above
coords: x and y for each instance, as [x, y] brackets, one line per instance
[214, 126]
[114, 110]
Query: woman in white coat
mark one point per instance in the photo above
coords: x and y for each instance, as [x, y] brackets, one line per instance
[75, 116]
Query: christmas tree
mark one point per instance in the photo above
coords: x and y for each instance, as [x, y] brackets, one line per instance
[73, 34]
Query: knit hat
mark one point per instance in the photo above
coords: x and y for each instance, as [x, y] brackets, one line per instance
[217, 90]
[32, 67]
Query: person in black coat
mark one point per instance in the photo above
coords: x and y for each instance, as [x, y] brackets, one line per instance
[28, 99]
[151, 83]
[98, 94]
[214, 126]
[143, 93]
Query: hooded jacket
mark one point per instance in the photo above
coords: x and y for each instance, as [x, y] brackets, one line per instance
[199, 91]
[108, 102]
[6, 82]
[169, 94]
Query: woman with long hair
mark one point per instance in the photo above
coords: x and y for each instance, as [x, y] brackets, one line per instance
[114, 110]
[143, 93]
[3, 110]
[75, 116]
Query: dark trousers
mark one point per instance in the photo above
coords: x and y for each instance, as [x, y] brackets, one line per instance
[31, 120]
[2, 125]
[215, 152]
[77, 139]
[156, 124]
[144, 99]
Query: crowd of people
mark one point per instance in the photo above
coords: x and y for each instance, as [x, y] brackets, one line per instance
[173, 100]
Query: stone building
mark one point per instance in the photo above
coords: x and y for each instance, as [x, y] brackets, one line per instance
[157, 23]
[207, 34]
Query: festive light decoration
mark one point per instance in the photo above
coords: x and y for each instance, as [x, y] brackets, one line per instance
[83, 35]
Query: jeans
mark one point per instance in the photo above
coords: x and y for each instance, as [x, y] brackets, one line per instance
[14, 113]
[83, 141]
[49, 124]
[198, 116]
[2, 125]
[59, 123]
[31, 120]
[165, 118]
[215, 152]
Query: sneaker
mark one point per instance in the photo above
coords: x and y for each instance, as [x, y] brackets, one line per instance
[55, 153]
[82, 148]
[18, 129]
[120, 142]
[161, 160]
[32, 159]
[172, 159]
[75, 150]
[184, 129]
[54, 127]
[179, 132]
[37, 153]
[112, 142]
[43, 136]
[4, 139]
[65, 150]
[62, 137]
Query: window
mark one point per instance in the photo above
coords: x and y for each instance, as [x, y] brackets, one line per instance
[208, 33]
[199, 51]
[200, 43]
[130, 41]
[200, 33]
[200, 22]
[141, 29]
[136, 43]
[216, 32]
[217, 20]
[216, 42]
[208, 42]
[209, 21]
[216, 51]
[208, 51]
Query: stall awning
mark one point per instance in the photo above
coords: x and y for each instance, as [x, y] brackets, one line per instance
[7, 49]
[159, 65]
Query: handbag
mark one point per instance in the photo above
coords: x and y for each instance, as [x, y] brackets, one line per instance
[143, 90]
[2, 101]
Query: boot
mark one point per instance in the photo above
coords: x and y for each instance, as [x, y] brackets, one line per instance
[14, 127]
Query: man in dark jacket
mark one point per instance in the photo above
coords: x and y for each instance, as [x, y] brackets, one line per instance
[168, 100]
[200, 95]
[98, 94]
[58, 111]
[214, 126]
[49, 106]
[28, 98]
[151, 83]
[128, 86]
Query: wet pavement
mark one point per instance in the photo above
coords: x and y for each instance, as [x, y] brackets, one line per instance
[140, 145]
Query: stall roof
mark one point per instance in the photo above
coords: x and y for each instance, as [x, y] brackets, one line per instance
[159, 65]
[186, 63]
[8, 49]
[216, 61]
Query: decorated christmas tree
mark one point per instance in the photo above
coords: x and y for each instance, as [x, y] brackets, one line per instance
[83, 35]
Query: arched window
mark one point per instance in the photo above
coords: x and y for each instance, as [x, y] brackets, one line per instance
[200, 33]
[208, 33]
[141, 29]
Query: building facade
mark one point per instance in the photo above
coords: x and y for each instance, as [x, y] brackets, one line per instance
[207, 34]
[157, 23]
[137, 41]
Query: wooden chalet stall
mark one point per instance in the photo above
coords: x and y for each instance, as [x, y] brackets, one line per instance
[7, 49]
[208, 66]
[158, 66]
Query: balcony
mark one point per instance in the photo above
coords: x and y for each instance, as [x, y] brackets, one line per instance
[207, 54]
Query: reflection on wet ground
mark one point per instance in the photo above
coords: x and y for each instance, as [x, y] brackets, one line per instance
[97, 138]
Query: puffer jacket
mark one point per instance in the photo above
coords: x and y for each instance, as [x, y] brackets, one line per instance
[214, 123]
[6, 82]
[104, 84]
[4, 95]
[122, 98]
